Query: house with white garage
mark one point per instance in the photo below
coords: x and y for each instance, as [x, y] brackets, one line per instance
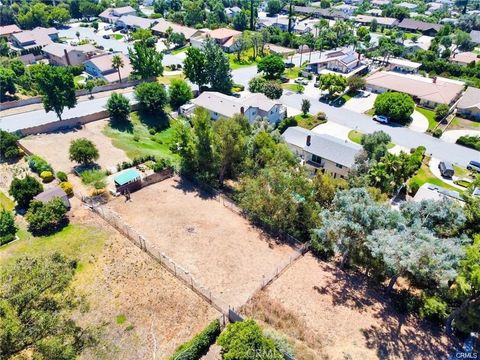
[428, 92]
[252, 107]
[345, 61]
[322, 152]
[469, 104]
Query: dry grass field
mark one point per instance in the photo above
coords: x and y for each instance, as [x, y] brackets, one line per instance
[54, 147]
[340, 316]
[218, 247]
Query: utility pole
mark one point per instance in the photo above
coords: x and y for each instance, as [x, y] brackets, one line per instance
[252, 28]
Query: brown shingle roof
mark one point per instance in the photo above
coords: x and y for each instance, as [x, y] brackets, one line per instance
[9, 29]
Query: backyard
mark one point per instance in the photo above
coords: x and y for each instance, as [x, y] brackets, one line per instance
[339, 315]
[219, 248]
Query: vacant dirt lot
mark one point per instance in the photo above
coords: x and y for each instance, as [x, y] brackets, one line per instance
[219, 248]
[341, 316]
[54, 147]
[147, 311]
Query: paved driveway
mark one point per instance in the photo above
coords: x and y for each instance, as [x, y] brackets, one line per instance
[451, 136]
[419, 122]
[361, 103]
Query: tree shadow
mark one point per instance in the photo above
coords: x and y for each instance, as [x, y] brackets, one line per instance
[158, 121]
[188, 186]
[122, 126]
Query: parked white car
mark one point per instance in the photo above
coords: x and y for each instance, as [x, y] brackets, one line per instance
[381, 119]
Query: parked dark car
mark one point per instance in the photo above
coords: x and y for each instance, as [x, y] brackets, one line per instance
[289, 65]
[106, 36]
[446, 169]
[474, 165]
[283, 79]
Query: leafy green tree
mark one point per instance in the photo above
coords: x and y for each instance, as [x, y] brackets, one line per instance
[305, 106]
[441, 111]
[83, 151]
[57, 87]
[240, 21]
[325, 187]
[355, 83]
[376, 144]
[152, 97]
[118, 107]
[195, 67]
[58, 16]
[36, 302]
[274, 7]
[146, 61]
[416, 252]
[7, 79]
[177, 38]
[8, 228]
[24, 190]
[90, 85]
[142, 34]
[194, 12]
[362, 31]
[272, 90]
[272, 65]
[218, 71]
[117, 64]
[179, 93]
[46, 218]
[256, 84]
[8, 145]
[231, 137]
[245, 340]
[397, 106]
[333, 83]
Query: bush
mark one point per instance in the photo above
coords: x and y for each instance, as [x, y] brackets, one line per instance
[199, 344]
[272, 90]
[286, 123]
[441, 111]
[240, 87]
[24, 190]
[46, 176]
[397, 106]
[321, 116]
[83, 151]
[469, 141]
[136, 161]
[434, 309]
[151, 97]
[67, 187]
[161, 164]
[437, 133]
[179, 92]
[8, 145]
[256, 84]
[61, 176]
[38, 164]
[118, 107]
[7, 227]
[45, 218]
[413, 188]
[95, 178]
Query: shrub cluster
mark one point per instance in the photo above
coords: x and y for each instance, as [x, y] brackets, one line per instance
[198, 346]
[46, 176]
[45, 218]
[61, 176]
[136, 161]
[38, 164]
[67, 187]
[469, 141]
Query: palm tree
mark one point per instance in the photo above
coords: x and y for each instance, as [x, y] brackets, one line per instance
[77, 34]
[117, 63]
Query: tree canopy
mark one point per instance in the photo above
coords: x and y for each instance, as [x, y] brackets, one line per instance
[397, 106]
[272, 66]
[152, 97]
[83, 151]
[146, 60]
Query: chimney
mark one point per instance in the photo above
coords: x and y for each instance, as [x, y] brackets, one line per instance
[309, 140]
[66, 56]
[242, 110]
[434, 79]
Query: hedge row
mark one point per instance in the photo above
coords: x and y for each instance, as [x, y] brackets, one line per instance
[469, 141]
[38, 164]
[198, 346]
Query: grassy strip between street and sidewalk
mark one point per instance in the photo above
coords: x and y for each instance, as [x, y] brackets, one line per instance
[356, 137]
[309, 121]
[143, 138]
[430, 115]
[6, 203]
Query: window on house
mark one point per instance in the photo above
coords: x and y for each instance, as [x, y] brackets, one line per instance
[316, 159]
[339, 166]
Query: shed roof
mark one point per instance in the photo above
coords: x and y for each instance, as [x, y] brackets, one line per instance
[126, 177]
[52, 193]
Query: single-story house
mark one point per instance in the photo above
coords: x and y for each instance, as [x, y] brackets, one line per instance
[475, 36]
[111, 15]
[280, 50]
[134, 22]
[161, 27]
[330, 13]
[429, 92]
[8, 30]
[422, 43]
[464, 58]
[379, 3]
[407, 5]
[343, 61]
[36, 38]
[63, 55]
[280, 22]
[469, 104]
[434, 192]
[253, 106]
[101, 67]
[383, 21]
[321, 151]
[52, 193]
[346, 9]
[402, 65]
[422, 26]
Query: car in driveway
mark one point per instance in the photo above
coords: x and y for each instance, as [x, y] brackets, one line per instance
[106, 36]
[301, 81]
[446, 169]
[381, 119]
[474, 165]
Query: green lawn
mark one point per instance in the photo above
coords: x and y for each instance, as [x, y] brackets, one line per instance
[118, 36]
[459, 171]
[246, 60]
[79, 242]
[180, 50]
[166, 79]
[424, 175]
[292, 73]
[77, 79]
[308, 121]
[6, 203]
[430, 115]
[356, 137]
[294, 87]
[137, 140]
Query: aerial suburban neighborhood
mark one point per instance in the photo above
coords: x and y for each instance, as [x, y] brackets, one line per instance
[240, 179]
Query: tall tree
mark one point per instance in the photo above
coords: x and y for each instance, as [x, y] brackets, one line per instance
[218, 70]
[117, 63]
[57, 87]
[195, 66]
[146, 60]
